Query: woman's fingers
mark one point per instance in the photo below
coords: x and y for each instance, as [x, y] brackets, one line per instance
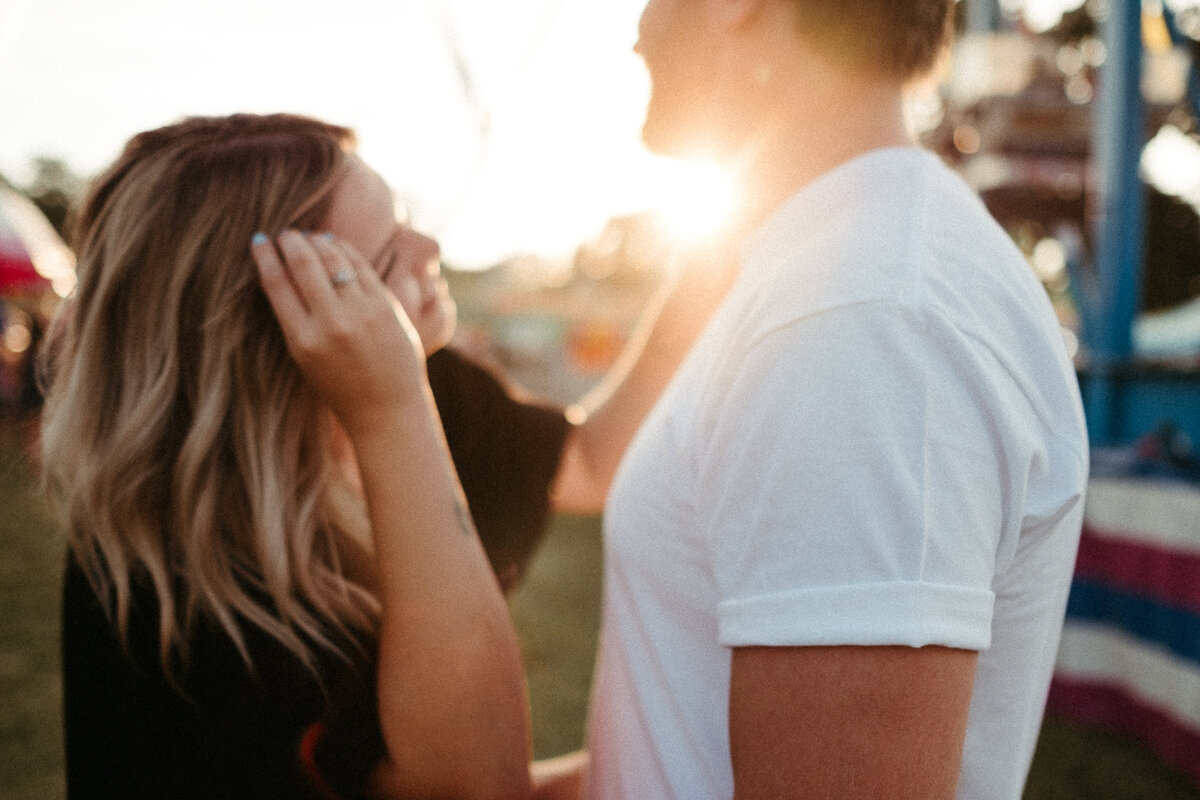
[344, 260]
[277, 284]
[323, 290]
[312, 277]
[314, 271]
[341, 327]
[345, 268]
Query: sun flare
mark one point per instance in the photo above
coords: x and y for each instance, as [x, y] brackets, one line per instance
[694, 202]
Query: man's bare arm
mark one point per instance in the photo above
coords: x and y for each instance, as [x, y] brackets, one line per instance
[839, 722]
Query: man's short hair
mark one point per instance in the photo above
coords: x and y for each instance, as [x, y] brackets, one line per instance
[899, 38]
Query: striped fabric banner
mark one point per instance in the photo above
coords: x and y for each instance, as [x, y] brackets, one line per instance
[1130, 654]
[1157, 624]
[1168, 577]
[1152, 512]
[1108, 678]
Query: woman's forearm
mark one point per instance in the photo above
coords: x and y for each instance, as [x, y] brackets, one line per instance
[452, 698]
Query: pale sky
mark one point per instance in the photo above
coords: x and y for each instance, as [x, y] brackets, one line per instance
[534, 150]
[527, 140]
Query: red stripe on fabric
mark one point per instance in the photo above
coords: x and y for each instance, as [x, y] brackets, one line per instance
[1111, 707]
[1167, 576]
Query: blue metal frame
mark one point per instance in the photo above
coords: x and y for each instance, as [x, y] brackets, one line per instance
[983, 15]
[1109, 296]
[1125, 399]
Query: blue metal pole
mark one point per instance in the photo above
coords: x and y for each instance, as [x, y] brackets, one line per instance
[983, 16]
[1119, 227]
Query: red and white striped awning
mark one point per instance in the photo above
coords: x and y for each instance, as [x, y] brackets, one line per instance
[1130, 653]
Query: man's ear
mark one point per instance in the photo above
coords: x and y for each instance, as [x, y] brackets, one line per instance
[732, 14]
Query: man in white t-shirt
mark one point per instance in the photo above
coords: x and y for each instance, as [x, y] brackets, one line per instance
[838, 552]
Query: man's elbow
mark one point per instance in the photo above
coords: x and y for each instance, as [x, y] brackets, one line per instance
[581, 483]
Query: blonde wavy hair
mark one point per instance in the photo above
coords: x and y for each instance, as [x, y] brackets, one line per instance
[181, 444]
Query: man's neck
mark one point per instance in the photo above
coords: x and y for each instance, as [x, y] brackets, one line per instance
[808, 133]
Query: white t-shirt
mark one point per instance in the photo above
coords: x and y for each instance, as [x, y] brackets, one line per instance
[877, 440]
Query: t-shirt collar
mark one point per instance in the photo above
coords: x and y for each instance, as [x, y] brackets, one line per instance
[776, 240]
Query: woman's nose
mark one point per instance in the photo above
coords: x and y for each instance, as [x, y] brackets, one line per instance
[427, 253]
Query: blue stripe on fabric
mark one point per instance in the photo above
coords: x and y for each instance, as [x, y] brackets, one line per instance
[1172, 628]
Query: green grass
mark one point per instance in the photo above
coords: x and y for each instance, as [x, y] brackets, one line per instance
[30, 565]
[1074, 762]
[557, 613]
[557, 616]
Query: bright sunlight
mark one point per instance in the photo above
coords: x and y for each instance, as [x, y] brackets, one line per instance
[694, 202]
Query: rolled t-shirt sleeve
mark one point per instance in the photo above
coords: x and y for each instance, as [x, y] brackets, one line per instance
[850, 485]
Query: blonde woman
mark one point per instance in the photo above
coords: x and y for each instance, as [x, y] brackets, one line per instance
[274, 586]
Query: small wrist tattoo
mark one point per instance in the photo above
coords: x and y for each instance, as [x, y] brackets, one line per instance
[464, 517]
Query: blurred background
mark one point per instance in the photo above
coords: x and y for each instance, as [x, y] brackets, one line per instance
[510, 131]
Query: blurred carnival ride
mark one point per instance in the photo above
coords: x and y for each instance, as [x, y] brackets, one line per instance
[36, 270]
[1082, 140]
[1083, 143]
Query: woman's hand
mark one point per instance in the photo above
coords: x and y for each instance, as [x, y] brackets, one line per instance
[453, 709]
[347, 333]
